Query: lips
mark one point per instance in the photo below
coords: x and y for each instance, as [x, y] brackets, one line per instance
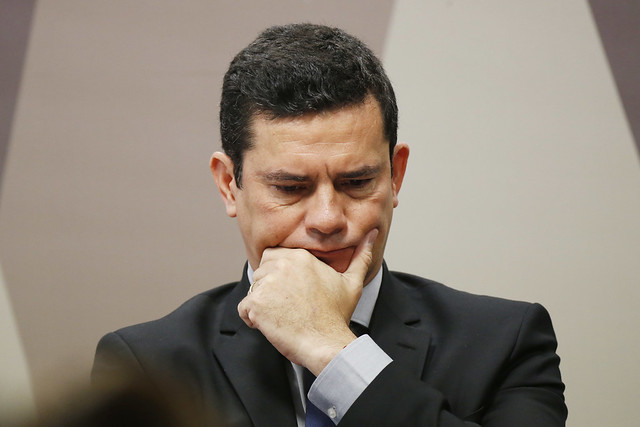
[339, 259]
[333, 253]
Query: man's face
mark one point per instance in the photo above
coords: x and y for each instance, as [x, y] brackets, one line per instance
[318, 182]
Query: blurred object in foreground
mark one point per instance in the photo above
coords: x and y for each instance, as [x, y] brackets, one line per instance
[125, 401]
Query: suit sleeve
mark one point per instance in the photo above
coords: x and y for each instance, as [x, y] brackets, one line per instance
[528, 392]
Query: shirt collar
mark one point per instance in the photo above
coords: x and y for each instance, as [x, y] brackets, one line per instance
[364, 309]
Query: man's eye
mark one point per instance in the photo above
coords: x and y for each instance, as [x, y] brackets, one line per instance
[290, 189]
[357, 183]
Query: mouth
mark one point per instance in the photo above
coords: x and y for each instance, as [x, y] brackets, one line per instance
[339, 259]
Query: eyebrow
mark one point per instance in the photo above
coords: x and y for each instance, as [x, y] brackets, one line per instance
[359, 173]
[283, 176]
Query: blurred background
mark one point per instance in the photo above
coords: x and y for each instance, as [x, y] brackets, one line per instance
[523, 180]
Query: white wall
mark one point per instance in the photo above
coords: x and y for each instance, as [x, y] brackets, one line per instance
[16, 397]
[108, 212]
[523, 178]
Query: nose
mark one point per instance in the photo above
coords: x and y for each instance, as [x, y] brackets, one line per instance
[325, 212]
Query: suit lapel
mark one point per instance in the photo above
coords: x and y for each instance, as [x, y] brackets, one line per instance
[398, 327]
[258, 372]
[254, 367]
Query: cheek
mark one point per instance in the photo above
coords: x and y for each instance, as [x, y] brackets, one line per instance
[375, 212]
[276, 225]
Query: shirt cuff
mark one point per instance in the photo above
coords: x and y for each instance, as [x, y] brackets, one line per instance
[343, 380]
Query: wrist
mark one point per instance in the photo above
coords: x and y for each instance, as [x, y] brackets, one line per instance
[321, 355]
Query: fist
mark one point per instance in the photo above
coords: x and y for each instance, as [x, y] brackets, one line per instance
[303, 306]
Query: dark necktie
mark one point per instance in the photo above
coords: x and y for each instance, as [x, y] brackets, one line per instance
[314, 417]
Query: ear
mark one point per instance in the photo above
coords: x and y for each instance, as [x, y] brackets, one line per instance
[400, 158]
[222, 170]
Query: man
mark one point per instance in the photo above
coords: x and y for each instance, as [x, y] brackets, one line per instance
[311, 170]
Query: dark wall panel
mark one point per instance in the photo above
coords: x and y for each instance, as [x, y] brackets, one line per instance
[619, 25]
[15, 22]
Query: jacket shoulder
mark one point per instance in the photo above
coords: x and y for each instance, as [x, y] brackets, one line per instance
[191, 322]
[432, 289]
[456, 307]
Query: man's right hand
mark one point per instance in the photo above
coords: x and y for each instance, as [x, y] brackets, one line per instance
[303, 306]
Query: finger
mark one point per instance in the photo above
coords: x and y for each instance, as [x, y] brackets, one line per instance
[252, 286]
[265, 256]
[362, 257]
[269, 254]
[261, 271]
[266, 263]
[292, 256]
[243, 311]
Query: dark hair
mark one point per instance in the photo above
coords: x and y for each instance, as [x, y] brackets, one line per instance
[296, 69]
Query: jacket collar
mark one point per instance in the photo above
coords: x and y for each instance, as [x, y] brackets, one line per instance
[398, 326]
[257, 372]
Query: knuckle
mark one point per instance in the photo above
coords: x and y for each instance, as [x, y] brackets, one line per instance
[300, 253]
[282, 264]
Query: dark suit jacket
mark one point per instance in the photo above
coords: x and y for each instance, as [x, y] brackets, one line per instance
[458, 359]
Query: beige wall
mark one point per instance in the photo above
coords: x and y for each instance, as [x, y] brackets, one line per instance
[16, 395]
[109, 215]
[523, 178]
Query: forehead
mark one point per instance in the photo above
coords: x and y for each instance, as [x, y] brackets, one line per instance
[353, 129]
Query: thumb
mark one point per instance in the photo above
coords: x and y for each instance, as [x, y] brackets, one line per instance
[362, 258]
